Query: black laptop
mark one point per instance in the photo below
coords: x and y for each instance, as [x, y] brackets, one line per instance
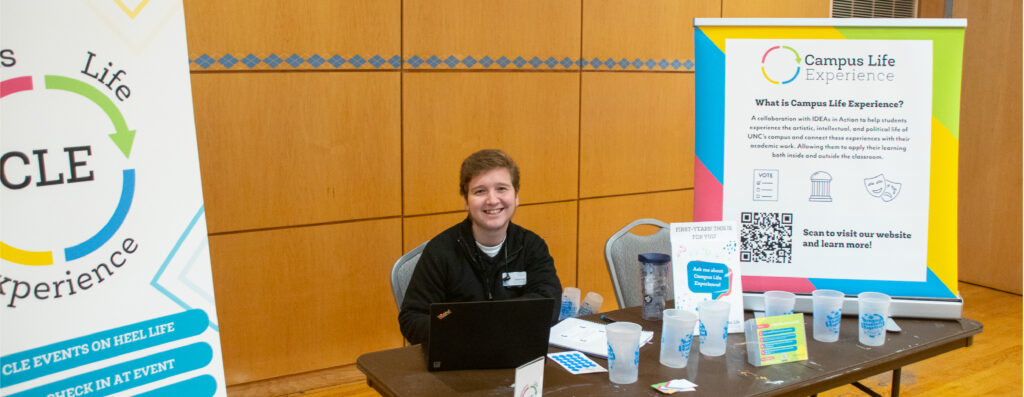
[487, 334]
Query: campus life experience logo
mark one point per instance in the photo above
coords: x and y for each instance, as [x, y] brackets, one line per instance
[783, 64]
[68, 178]
[783, 67]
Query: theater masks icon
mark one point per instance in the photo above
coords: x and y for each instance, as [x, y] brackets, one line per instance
[875, 185]
[892, 189]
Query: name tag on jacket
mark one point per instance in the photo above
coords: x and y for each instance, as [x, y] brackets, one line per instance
[513, 279]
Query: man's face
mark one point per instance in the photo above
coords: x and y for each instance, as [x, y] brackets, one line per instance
[491, 200]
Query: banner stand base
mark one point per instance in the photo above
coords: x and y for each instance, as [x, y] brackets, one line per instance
[936, 308]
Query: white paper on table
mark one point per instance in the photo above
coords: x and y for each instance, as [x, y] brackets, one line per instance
[586, 336]
[680, 384]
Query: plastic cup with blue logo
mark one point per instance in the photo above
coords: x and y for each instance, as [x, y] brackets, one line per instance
[623, 352]
[778, 303]
[676, 337]
[828, 311]
[591, 304]
[714, 327]
[570, 303]
[872, 309]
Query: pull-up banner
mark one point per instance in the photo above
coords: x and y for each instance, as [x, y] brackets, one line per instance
[105, 282]
[833, 144]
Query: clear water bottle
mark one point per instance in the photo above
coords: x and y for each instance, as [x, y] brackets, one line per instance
[654, 270]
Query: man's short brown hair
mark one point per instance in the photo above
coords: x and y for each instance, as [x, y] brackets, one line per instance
[483, 161]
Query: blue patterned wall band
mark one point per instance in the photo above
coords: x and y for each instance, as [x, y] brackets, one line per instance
[416, 62]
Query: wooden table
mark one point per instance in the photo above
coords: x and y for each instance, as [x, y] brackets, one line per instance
[403, 372]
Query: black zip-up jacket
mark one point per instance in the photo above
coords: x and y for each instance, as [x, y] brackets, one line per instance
[453, 269]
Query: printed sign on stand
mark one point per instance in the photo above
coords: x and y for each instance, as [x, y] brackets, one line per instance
[705, 266]
[833, 144]
[105, 280]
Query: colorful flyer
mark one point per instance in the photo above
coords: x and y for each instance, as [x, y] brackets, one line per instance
[705, 266]
[776, 340]
[833, 144]
[105, 279]
[840, 166]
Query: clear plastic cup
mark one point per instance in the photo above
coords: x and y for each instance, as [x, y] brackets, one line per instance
[828, 311]
[714, 327]
[778, 303]
[570, 303]
[623, 352]
[872, 309]
[676, 337]
[591, 304]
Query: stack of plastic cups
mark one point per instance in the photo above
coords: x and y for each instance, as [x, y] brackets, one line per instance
[778, 303]
[570, 303]
[714, 327]
[623, 352]
[591, 304]
[872, 310]
[828, 311]
[677, 337]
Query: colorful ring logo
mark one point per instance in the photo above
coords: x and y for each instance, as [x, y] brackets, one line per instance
[123, 138]
[764, 71]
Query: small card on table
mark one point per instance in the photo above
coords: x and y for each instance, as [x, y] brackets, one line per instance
[777, 339]
[674, 386]
[530, 378]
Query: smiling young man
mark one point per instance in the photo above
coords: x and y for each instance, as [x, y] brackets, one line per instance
[484, 257]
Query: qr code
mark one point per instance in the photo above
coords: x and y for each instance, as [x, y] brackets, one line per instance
[766, 237]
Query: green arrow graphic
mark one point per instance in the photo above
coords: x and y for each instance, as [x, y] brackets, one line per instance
[122, 137]
[794, 52]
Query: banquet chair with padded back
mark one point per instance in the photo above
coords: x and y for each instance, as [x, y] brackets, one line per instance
[620, 253]
[401, 273]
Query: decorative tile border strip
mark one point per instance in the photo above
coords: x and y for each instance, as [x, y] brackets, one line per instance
[294, 61]
[638, 64]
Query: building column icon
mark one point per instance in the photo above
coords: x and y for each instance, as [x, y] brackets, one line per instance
[821, 182]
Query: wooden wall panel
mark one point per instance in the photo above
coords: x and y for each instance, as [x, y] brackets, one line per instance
[509, 28]
[931, 8]
[306, 28]
[420, 229]
[636, 133]
[280, 149]
[776, 9]
[299, 299]
[653, 30]
[534, 117]
[600, 218]
[554, 222]
[990, 145]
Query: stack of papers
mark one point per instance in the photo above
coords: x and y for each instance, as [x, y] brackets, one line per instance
[586, 336]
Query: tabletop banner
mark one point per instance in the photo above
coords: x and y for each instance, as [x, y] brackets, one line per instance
[833, 144]
[105, 280]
